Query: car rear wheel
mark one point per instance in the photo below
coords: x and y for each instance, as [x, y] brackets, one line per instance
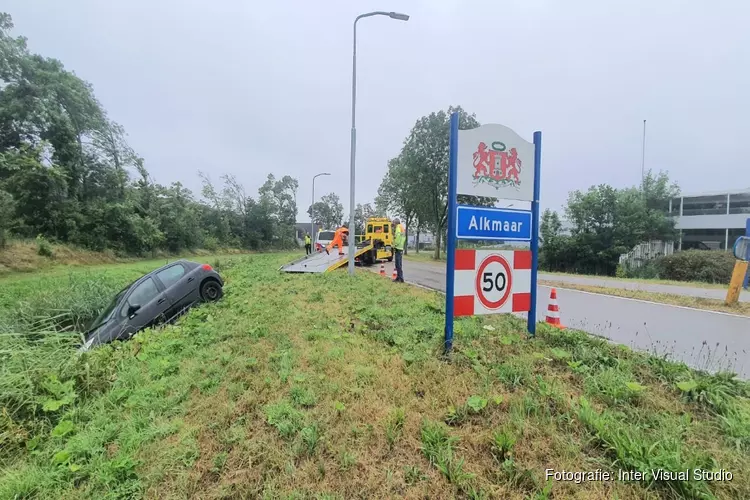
[211, 291]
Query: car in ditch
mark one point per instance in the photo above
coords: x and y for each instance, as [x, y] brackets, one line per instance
[157, 297]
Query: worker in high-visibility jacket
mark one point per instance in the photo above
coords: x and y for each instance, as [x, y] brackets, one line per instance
[339, 238]
[399, 243]
[308, 244]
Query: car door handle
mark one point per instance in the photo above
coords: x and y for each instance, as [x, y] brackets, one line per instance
[161, 300]
[191, 279]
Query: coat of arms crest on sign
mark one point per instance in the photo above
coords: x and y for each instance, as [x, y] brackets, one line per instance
[496, 166]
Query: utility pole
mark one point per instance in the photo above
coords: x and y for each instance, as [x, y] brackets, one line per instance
[643, 155]
[353, 147]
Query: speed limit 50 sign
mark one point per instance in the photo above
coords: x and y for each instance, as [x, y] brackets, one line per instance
[491, 282]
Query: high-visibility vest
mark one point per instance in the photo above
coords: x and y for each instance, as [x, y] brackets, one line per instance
[307, 239]
[400, 237]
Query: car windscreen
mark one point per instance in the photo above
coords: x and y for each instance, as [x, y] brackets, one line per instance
[325, 235]
[107, 312]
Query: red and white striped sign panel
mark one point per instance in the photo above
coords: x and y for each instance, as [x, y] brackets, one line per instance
[492, 282]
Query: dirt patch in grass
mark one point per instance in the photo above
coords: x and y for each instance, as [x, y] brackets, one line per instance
[742, 308]
[302, 386]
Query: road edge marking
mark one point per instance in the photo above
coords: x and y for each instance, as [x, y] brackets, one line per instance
[651, 302]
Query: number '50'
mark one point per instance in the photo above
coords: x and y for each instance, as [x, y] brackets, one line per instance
[498, 283]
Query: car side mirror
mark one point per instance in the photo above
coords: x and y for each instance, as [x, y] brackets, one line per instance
[133, 309]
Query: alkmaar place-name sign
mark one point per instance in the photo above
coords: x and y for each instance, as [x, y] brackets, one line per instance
[483, 223]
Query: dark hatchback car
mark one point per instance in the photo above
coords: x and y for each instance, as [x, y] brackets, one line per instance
[158, 297]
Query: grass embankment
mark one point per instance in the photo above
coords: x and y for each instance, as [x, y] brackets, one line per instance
[22, 256]
[742, 308]
[425, 256]
[301, 386]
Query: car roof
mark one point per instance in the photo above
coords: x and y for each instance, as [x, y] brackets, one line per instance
[178, 261]
[137, 280]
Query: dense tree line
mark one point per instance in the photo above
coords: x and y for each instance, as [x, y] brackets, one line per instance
[605, 223]
[67, 173]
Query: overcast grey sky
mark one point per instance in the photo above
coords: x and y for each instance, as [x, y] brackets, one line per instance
[251, 87]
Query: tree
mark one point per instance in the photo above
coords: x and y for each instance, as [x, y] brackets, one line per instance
[328, 213]
[550, 226]
[608, 222]
[361, 214]
[7, 210]
[399, 192]
[280, 198]
[425, 153]
[109, 143]
[555, 249]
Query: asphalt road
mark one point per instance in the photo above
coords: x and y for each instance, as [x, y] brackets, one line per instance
[705, 340]
[689, 291]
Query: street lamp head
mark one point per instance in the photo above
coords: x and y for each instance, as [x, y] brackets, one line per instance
[398, 15]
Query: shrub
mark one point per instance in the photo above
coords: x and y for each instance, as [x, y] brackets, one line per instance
[698, 265]
[620, 272]
[651, 269]
[43, 247]
[210, 243]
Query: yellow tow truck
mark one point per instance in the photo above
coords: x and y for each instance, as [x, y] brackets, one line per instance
[378, 229]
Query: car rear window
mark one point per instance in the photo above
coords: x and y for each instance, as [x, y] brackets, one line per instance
[325, 235]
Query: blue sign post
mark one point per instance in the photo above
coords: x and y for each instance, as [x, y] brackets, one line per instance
[450, 281]
[491, 161]
[531, 324]
[747, 275]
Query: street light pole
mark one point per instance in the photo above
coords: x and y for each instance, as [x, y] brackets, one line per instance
[643, 155]
[353, 146]
[312, 207]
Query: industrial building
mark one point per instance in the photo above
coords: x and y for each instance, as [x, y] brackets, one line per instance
[710, 221]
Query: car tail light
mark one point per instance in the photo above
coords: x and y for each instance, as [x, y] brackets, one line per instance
[206, 267]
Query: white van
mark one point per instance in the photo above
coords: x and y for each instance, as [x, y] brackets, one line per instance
[323, 239]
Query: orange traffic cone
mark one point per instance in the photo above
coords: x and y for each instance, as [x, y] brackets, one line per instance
[382, 270]
[553, 310]
[394, 275]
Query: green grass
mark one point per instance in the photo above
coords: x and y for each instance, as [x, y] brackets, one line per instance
[301, 386]
[425, 256]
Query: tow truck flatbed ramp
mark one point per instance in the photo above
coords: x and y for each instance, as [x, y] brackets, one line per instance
[320, 262]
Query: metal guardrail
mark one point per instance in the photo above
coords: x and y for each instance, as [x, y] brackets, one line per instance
[741, 248]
